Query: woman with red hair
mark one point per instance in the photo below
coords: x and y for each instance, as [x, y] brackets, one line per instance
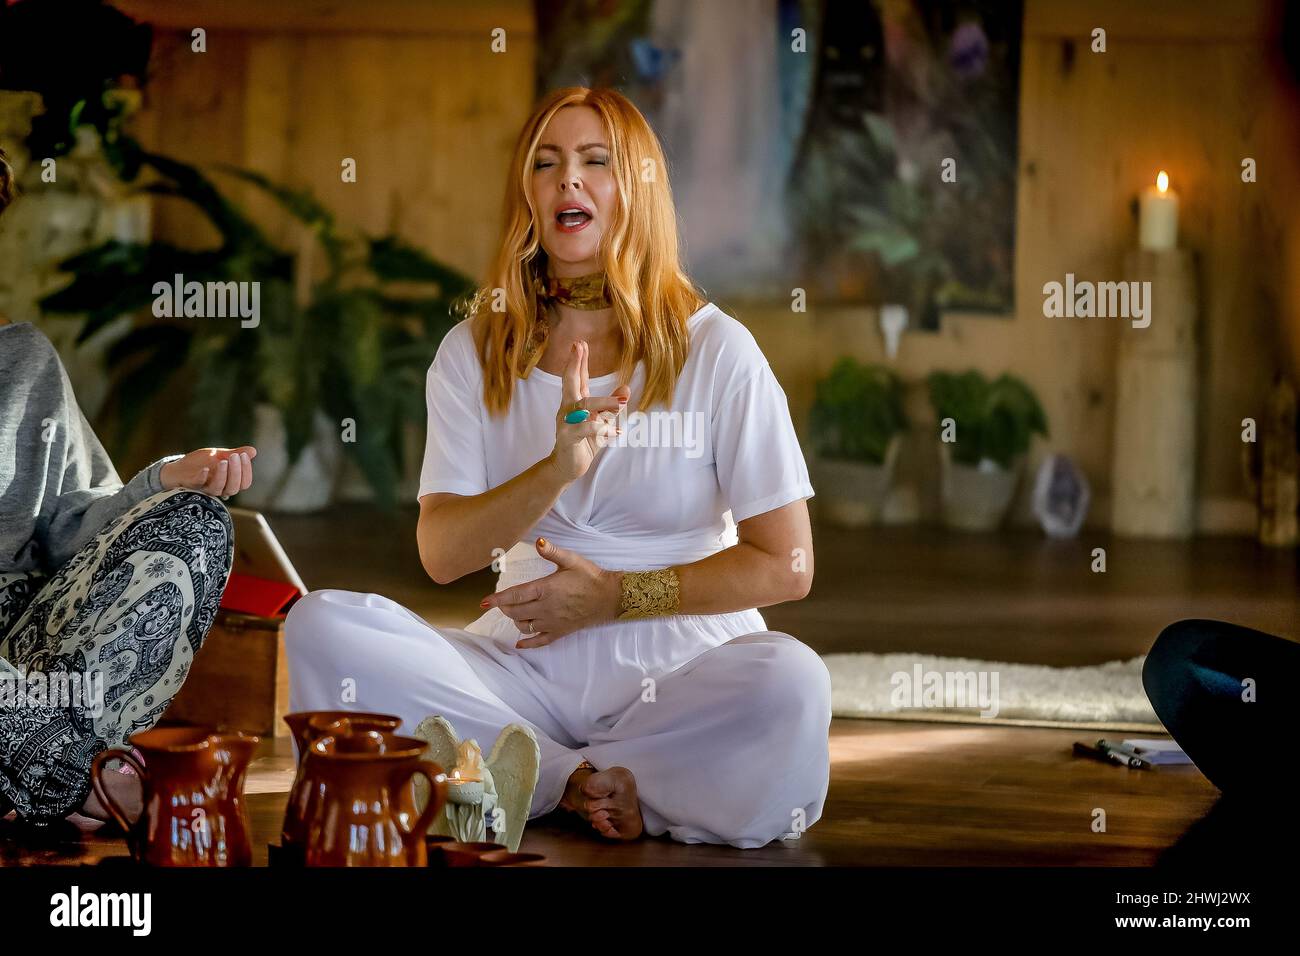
[592, 423]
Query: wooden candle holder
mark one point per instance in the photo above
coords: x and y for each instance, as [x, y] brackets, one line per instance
[1153, 466]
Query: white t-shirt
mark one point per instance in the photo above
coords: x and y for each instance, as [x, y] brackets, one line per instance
[660, 494]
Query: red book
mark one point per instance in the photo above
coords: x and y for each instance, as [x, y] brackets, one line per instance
[263, 581]
[252, 595]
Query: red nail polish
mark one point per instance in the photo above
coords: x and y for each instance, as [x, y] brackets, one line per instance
[483, 603]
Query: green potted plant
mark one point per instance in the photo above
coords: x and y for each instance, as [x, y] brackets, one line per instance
[857, 418]
[985, 429]
[335, 366]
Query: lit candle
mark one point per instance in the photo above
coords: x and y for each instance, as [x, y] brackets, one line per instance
[1158, 219]
[462, 791]
[465, 784]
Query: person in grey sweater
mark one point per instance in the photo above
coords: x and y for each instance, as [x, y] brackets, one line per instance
[107, 590]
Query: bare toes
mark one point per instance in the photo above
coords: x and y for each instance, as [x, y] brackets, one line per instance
[612, 805]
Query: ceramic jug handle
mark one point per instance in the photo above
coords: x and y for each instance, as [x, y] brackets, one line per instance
[97, 768]
[437, 794]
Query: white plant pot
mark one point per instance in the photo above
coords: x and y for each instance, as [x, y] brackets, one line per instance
[306, 486]
[851, 494]
[975, 497]
[353, 486]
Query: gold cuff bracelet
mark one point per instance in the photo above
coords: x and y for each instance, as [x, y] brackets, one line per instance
[649, 593]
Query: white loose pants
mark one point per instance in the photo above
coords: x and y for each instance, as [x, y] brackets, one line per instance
[729, 746]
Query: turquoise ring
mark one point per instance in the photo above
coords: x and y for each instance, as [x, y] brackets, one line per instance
[577, 415]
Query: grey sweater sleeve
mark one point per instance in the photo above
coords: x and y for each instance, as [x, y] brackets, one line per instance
[89, 496]
[63, 479]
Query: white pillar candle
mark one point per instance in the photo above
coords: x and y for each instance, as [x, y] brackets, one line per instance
[1158, 219]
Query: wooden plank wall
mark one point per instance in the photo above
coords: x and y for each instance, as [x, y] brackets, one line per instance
[1187, 86]
[412, 91]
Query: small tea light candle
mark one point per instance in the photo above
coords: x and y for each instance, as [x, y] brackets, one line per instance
[1158, 216]
[460, 790]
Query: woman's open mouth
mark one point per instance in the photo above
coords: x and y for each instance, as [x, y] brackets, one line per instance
[573, 218]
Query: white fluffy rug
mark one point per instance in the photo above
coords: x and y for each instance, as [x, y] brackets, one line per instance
[961, 690]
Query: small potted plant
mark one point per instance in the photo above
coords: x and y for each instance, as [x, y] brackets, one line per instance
[985, 429]
[857, 417]
[338, 372]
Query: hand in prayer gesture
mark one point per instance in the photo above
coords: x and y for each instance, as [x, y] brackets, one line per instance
[576, 444]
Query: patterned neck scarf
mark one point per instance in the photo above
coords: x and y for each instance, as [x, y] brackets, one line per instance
[577, 292]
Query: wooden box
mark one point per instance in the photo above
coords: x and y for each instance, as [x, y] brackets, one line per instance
[239, 679]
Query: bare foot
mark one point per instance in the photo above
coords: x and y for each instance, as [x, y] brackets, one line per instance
[607, 800]
[124, 789]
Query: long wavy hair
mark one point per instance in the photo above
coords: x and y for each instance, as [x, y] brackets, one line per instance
[652, 296]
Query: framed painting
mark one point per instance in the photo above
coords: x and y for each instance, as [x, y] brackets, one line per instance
[863, 151]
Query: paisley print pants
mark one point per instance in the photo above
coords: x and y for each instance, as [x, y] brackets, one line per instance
[97, 652]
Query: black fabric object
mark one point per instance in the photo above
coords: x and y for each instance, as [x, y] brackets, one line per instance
[1197, 675]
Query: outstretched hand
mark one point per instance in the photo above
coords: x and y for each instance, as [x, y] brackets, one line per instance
[577, 594]
[215, 471]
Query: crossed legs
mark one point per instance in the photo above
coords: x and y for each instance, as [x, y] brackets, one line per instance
[729, 748]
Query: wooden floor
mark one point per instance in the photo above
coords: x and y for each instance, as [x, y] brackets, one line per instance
[1012, 596]
[901, 793]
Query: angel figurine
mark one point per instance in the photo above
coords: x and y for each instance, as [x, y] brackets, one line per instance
[486, 801]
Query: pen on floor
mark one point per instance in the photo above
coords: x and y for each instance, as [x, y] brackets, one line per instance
[1124, 754]
[1121, 747]
[1083, 750]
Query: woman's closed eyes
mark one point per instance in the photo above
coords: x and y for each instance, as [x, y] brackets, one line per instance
[591, 162]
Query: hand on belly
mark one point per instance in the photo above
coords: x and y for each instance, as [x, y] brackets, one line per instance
[577, 594]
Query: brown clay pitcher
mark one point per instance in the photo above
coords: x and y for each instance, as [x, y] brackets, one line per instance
[306, 727]
[356, 820]
[193, 788]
